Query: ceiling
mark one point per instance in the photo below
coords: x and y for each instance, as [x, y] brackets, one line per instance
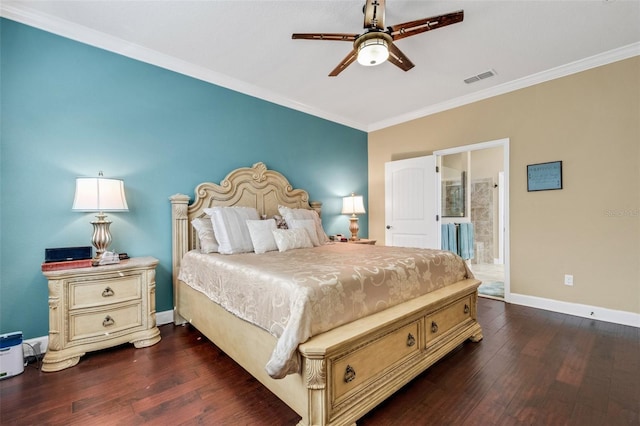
[246, 46]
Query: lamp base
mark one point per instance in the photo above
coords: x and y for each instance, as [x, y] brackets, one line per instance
[354, 228]
[101, 237]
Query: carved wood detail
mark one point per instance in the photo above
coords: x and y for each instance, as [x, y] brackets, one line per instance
[316, 373]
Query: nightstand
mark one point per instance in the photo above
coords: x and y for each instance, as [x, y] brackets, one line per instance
[363, 241]
[100, 307]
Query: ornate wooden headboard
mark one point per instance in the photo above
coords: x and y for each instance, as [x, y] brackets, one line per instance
[254, 186]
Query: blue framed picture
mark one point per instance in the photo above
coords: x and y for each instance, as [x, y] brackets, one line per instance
[544, 176]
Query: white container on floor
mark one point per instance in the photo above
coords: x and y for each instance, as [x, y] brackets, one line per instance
[11, 355]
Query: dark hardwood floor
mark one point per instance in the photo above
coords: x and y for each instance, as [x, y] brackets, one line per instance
[533, 368]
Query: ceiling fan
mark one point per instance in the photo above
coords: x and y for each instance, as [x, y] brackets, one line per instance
[375, 45]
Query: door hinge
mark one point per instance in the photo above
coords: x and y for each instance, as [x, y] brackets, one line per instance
[437, 218]
[437, 169]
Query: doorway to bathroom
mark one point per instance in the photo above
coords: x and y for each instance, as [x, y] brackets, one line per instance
[474, 190]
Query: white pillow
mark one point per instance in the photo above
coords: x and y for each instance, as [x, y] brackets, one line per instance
[290, 214]
[262, 235]
[310, 226]
[204, 229]
[230, 227]
[289, 239]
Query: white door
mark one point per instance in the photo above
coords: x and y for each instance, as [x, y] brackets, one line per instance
[411, 203]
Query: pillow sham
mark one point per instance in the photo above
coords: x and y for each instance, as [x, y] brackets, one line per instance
[230, 228]
[262, 235]
[290, 214]
[290, 239]
[310, 226]
[204, 229]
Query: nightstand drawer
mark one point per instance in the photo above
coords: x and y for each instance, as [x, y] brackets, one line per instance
[111, 289]
[86, 325]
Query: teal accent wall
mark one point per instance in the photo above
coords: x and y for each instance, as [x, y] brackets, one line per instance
[69, 109]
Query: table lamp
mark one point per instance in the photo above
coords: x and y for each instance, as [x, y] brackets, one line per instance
[353, 205]
[100, 194]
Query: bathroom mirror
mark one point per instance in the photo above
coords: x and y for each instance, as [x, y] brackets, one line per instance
[453, 192]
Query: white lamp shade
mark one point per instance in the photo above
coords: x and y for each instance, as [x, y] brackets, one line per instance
[353, 204]
[373, 51]
[100, 194]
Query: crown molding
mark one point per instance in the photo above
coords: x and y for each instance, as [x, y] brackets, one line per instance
[601, 59]
[104, 41]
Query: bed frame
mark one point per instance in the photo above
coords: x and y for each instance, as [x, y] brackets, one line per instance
[347, 371]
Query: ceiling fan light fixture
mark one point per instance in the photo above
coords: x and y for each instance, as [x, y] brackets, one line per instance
[373, 51]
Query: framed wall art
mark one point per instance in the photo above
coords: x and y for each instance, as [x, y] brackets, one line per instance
[544, 176]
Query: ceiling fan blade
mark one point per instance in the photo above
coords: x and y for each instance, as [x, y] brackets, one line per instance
[411, 28]
[397, 58]
[325, 36]
[348, 60]
[374, 14]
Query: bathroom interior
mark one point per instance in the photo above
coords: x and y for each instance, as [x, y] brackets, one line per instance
[472, 185]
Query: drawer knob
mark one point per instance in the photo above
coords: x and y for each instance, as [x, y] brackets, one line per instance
[411, 340]
[466, 308]
[108, 321]
[108, 292]
[349, 374]
[434, 327]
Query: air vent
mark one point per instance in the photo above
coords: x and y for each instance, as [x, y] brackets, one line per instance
[480, 76]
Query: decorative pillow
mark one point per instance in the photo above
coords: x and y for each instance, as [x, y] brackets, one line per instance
[204, 229]
[310, 226]
[290, 214]
[289, 239]
[230, 227]
[280, 222]
[262, 235]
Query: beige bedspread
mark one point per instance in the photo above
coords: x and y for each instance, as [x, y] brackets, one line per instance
[300, 293]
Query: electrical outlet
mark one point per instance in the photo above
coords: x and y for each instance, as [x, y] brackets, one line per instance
[568, 279]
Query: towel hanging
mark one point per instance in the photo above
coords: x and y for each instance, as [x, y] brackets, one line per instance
[466, 236]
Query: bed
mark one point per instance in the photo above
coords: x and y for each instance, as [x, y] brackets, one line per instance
[343, 369]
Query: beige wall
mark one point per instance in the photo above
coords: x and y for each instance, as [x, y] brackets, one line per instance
[591, 228]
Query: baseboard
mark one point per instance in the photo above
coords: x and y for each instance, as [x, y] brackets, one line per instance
[164, 317]
[576, 309]
[39, 344]
[36, 346]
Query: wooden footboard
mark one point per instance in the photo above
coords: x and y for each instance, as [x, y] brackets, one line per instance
[349, 370]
